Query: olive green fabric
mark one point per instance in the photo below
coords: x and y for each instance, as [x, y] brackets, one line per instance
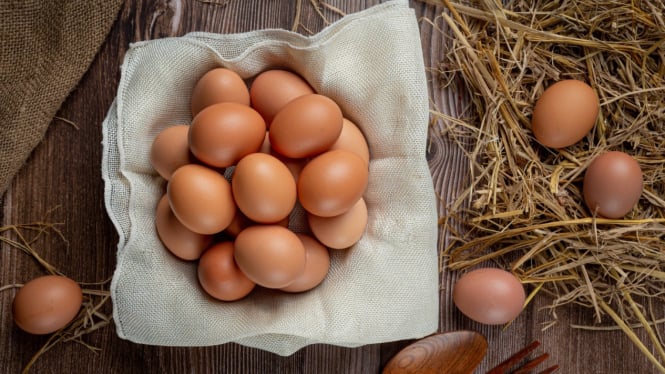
[46, 48]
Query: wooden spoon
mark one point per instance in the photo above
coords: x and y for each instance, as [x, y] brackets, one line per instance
[450, 352]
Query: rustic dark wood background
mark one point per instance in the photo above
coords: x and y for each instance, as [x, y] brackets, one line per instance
[63, 175]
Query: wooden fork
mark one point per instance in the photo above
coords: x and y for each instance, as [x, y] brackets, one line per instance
[527, 367]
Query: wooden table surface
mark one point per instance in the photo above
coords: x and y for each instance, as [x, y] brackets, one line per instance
[63, 177]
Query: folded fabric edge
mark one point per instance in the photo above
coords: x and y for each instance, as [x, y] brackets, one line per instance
[107, 143]
[286, 350]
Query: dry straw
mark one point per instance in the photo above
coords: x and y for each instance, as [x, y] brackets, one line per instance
[523, 207]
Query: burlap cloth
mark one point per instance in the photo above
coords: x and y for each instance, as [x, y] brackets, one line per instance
[382, 289]
[46, 46]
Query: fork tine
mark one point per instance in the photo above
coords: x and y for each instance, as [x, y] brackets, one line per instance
[503, 367]
[526, 368]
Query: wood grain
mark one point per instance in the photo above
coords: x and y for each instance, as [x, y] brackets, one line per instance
[63, 177]
[450, 352]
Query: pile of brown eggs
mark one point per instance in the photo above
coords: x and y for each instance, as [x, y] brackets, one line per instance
[235, 175]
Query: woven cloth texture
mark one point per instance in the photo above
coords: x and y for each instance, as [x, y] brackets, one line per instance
[384, 288]
[46, 48]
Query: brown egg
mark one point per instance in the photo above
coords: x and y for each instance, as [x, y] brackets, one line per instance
[201, 199]
[170, 150]
[490, 296]
[332, 183]
[224, 133]
[219, 86]
[317, 264]
[241, 222]
[564, 114]
[341, 231]
[47, 304]
[263, 188]
[273, 89]
[270, 255]
[306, 126]
[612, 184]
[352, 139]
[178, 239]
[220, 276]
[294, 165]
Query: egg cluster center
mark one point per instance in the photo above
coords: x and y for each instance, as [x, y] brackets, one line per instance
[251, 157]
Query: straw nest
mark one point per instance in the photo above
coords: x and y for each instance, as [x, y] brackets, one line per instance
[523, 207]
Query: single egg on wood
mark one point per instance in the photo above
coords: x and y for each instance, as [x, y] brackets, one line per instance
[47, 304]
[565, 113]
[612, 184]
[490, 296]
